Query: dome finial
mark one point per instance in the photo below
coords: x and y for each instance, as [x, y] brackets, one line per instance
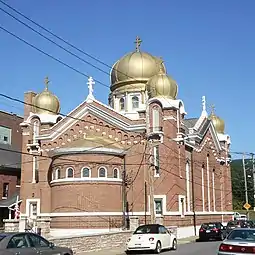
[138, 42]
[46, 82]
[161, 67]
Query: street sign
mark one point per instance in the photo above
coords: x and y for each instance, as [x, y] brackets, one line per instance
[247, 206]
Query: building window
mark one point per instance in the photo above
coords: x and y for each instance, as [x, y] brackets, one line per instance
[102, 172]
[213, 189]
[155, 120]
[57, 174]
[33, 209]
[188, 185]
[5, 190]
[85, 172]
[5, 135]
[35, 177]
[203, 187]
[135, 102]
[208, 184]
[122, 104]
[156, 160]
[116, 173]
[69, 173]
[158, 206]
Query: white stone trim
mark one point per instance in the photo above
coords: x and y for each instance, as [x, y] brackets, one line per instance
[208, 184]
[87, 179]
[30, 201]
[88, 214]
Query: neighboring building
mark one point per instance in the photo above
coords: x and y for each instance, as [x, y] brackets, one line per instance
[77, 163]
[10, 163]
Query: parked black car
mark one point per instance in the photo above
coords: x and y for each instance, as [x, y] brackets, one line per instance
[239, 224]
[212, 230]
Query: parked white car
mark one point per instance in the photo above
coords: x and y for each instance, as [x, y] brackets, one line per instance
[151, 237]
[238, 216]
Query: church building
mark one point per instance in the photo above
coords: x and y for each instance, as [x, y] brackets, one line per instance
[138, 160]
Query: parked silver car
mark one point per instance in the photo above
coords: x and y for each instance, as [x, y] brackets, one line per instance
[29, 244]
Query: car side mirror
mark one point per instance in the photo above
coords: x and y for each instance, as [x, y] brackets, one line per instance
[51, 245]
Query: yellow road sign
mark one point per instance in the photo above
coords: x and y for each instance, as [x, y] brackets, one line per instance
[247, 206]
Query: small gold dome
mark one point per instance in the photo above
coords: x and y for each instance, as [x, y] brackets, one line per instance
[218, 123]
[135, 67]
[46, 102]
[162, 85]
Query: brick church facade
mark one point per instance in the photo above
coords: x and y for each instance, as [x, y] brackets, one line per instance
[138, 159]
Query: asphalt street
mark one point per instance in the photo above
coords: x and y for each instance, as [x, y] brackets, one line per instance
[194, 248]
[208, 248]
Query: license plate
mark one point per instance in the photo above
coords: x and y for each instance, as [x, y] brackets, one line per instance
[208, 231]
[137, 244]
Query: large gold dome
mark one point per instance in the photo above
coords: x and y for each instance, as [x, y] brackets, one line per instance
[218, 123]
[162, 85]
[134, 69]
[46, 102]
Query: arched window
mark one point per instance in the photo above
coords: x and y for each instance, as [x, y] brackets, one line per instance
[155, 119]
[57, 174]
[135, 102]
[69, 173]
[122, 104]
[116, 173]
[85, 172]
[102, 172]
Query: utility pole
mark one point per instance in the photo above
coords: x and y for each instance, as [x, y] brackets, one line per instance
[124, 193]
[253, 172]
[245, 181]
[151, 184]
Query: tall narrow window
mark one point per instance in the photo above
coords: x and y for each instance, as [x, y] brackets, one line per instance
[213, 187]
[208, 183]
[35, 130]
[5, 190]
[35, 173]
[158, 206]
[116, 173]
[69, 173]
[57, 174]
[33, 209]
[122, 104]
[188, 185]
[85, 172]
[155, 120]
[203, 187]
[135, 102]
[156, 160]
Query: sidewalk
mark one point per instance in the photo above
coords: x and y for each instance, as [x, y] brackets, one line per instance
[120, 251]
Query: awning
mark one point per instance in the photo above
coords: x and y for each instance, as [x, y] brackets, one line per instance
[9, 202]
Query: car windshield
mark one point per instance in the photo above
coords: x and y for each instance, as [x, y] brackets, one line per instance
[242, 234]
[147, 229]
[209, 225]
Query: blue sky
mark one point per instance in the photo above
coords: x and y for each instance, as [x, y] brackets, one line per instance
[208, 48]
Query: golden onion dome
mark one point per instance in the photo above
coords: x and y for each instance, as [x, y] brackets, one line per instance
[162, 85]
[46, 102]
[134, 68]
[218, 123]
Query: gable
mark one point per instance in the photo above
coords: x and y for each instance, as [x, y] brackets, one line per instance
[102, 113]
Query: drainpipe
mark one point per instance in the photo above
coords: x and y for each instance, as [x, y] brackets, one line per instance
[124, 194]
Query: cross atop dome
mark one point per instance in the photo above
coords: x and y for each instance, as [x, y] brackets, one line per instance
[138, 42]
[46, 82]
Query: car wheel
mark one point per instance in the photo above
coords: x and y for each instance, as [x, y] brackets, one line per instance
[174, 245]
[158, 248]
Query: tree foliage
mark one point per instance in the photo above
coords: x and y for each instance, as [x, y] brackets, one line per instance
[238, 185]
